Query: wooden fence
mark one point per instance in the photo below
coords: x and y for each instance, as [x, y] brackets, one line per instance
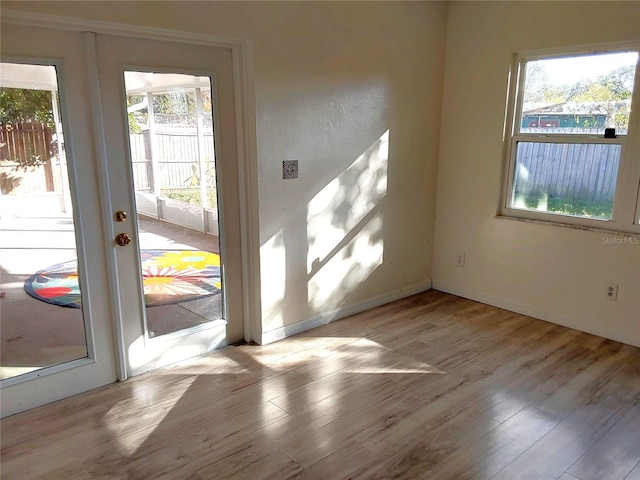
[26, 153]
[177, 159]
[586, 171]
[27, 150]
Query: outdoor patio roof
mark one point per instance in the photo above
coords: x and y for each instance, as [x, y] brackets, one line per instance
[33, 77]
[43, 77]
[143, 82]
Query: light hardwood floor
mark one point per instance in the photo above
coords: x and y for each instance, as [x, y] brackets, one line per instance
[432, 386]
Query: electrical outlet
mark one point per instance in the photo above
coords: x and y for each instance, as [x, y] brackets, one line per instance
[289, 169]
[612, 292]
[460, 260]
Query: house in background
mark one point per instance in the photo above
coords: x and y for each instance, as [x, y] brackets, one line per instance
[395, 113]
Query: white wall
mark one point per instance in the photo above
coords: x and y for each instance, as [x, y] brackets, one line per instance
[353, 91]
[550, 272]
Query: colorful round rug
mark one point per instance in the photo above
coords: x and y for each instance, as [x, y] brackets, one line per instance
[168, 277]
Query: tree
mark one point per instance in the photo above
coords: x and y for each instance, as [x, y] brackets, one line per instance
[611, 94]
[177, 106]
[538, 89]
[608, 94]
[20, 106]
[25, 105]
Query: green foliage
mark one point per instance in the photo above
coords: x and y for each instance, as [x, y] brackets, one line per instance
[172, 107]
[25, 105]
[134, 117]
[175, 104]
[609, 93]
[134, 126]
[575, 207]
[191, 196]
[21, 105]
[180, 106]
[616, 85]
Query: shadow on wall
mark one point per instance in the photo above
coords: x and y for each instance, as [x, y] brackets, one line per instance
[345, 244]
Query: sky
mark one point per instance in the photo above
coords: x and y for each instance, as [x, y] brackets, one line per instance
[563, 71]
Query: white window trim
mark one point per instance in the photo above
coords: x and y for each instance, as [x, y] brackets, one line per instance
[626, 212]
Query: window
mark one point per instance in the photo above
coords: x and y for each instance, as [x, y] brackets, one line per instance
[573, 152]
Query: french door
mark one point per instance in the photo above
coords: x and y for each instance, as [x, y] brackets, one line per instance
[149, 188]
[183, 89]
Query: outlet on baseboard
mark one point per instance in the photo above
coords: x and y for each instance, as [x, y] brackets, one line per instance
[460, 259]
[612, 291]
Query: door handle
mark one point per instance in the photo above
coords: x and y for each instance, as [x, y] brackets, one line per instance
[122, 239]
[120, 216]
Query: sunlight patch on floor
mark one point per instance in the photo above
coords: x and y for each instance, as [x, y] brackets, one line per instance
[152, 416]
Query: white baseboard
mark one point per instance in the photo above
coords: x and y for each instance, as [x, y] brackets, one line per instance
[532, 312]
[342, 312]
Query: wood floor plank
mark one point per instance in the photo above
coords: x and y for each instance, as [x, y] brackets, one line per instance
[566, 443]
[57, 416]
[229, 456]
[463, 453]
[587, 377]
[275, 466]
[431, 445]
[498, 448]
[347, 462]
[568, 476]
[616, 454]
[431, 386]
[180, 436]
[634, 474]
[317, 390]
[356, 415]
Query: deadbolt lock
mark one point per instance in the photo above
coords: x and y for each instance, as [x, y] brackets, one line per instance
[123, 239]
[120, 216]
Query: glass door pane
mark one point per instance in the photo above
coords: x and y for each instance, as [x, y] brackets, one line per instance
[170, 119]
[41, 307]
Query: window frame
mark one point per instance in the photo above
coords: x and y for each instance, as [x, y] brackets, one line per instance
[625, 217]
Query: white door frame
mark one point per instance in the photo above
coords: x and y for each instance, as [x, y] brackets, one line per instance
[243, 78]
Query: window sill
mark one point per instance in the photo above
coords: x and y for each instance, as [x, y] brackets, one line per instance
[621, 233]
